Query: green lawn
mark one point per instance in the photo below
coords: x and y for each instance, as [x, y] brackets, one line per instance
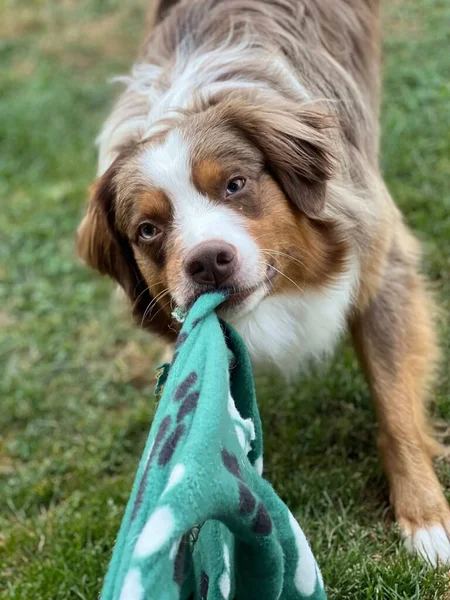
[76, 381]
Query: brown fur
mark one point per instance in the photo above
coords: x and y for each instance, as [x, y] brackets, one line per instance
[336, 44]
[395, 340]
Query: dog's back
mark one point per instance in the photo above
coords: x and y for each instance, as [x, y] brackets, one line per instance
[335, 45]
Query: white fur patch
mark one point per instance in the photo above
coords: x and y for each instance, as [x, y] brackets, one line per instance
[132, 586]
[157, 531]
[286, 330]
[155, 92]
[305, 574]
[175, 477]
[431, 543]
[200, 71]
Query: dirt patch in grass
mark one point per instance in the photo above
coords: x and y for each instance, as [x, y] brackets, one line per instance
[400, 17]
[17, 22]
[73, 35]
[134, 363]
[6, 319]
[81, 44]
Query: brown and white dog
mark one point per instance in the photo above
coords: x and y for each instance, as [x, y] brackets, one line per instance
[243, 155]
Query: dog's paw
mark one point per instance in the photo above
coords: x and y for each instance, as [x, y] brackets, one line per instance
[431, 541]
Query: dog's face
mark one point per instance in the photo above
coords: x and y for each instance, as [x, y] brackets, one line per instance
[228, 198]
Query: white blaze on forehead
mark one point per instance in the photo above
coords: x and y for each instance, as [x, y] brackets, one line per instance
[168, 167]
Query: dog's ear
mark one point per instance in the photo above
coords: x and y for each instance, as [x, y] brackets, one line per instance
[103, 248]
[98, 243]
[293, 139]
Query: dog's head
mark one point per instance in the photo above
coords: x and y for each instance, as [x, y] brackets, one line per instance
[230, 197]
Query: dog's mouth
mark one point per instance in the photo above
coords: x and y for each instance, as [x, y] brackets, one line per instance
[240, 299]
[236, 298]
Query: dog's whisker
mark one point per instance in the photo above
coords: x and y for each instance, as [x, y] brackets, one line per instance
[138, 282]
[147, 289]
[269, 280]
[158, 297]
[269, 251]
[160, 309]
[153, 303]
[258, 237]
[288, 278]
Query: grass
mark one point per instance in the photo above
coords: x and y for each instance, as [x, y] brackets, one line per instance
[76, 386]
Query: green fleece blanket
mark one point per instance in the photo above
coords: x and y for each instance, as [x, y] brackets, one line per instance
[201, 522]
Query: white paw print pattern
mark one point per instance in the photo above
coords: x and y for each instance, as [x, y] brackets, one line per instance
[156, 533]
[176, 475]
[225, 578]
[245, 428]
[259, 465]
[307, 573]
[132, 587]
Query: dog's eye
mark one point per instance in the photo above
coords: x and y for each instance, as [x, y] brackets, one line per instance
[235, 185]
[147, 231]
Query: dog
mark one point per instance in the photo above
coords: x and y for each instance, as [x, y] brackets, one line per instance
[243, 155]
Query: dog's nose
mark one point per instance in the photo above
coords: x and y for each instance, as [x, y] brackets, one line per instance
[211, 262]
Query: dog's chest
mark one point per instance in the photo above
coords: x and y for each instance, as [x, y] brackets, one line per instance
[289, 329]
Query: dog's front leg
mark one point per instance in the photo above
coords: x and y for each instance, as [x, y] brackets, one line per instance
[395, 340]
